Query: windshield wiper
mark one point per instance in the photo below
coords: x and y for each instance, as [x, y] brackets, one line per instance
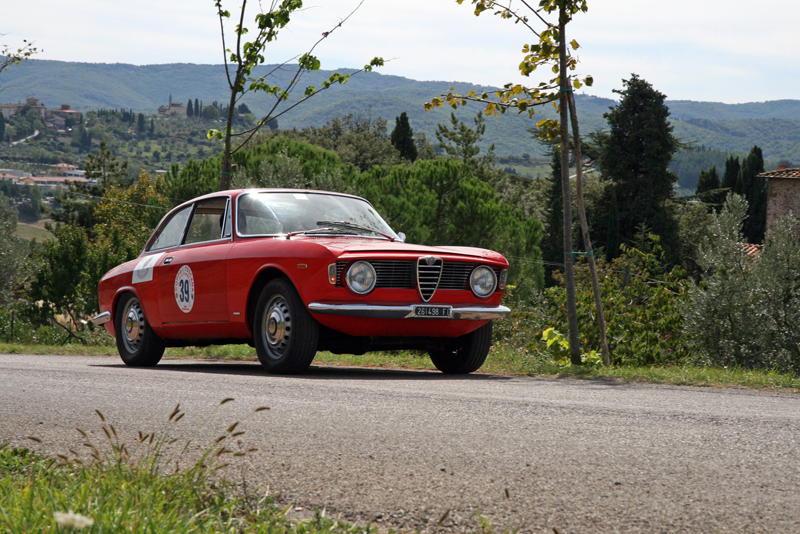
[347, 224]
[330, 230]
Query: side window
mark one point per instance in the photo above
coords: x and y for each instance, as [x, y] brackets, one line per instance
[226, 229]
[172, 232]
[208, 221]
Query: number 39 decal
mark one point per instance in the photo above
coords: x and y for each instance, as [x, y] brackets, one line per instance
[184, 289]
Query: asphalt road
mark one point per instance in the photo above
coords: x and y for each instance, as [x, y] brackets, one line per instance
[401, 448]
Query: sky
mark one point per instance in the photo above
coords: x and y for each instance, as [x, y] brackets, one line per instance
[729, 51]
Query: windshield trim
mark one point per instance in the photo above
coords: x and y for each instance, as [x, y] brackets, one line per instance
[303, 233]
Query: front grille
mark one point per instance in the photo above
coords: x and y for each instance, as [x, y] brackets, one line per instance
[400, 274]
[429, 272]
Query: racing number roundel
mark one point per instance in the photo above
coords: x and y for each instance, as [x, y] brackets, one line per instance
[184, 289]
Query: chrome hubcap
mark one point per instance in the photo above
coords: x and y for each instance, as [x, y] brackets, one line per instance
[277, 326]
[134, 324]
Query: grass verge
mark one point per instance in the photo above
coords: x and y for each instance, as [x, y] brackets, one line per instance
[147, 487]
[500, 361]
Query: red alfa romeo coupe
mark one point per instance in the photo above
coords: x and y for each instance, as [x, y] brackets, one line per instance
[293, 272]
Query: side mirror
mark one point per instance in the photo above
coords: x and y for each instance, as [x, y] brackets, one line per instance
[401, 237]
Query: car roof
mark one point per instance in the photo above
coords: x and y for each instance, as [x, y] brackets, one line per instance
[236, 192]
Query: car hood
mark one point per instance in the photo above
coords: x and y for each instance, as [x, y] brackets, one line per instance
[365, 246]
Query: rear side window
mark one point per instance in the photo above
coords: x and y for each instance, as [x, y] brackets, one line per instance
[208, 221]
[171, 233]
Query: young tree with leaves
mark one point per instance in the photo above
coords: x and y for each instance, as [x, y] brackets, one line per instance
[10, 56]
[402, 138]
[551, 52]
[243, 57]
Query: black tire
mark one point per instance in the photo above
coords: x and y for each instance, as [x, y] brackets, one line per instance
[467, 354]
[284, 332]
[137, 344]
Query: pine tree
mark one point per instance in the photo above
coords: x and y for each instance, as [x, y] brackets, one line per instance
[754, 190]
[402, 138]
[731, 173]
[635, 155]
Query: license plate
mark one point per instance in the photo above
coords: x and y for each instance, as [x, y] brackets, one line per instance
[433, 312]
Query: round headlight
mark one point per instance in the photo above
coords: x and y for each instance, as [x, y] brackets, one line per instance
[361, 277]
[482, 281]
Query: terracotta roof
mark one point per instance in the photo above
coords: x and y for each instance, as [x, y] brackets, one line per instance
[751, 249]
[782, 173]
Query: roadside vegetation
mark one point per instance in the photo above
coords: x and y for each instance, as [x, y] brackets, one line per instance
[151, 483]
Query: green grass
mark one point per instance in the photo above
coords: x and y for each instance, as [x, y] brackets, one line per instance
[29, 232]
[151, 485]
[502, 361]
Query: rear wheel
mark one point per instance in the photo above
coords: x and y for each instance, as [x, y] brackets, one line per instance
[137, 344]
[467, 354]
[284, 332]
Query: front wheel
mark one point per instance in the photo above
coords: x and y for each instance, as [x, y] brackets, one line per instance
[284, 332]
[137, 344]
[467, 353]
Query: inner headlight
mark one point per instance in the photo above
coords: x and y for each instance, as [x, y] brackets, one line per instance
[361, 277]
[482, 281]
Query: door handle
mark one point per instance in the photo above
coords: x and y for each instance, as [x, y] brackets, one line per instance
[167, 261]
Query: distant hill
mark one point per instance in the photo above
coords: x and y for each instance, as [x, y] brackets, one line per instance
[775, 126]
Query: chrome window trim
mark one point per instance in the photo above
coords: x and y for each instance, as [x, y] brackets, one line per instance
[305, 192]
[148, 246]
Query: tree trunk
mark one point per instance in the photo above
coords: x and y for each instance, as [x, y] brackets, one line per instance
[569, 272]
[587, 242]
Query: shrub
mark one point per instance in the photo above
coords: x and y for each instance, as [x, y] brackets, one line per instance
[641, 303]
[746, 309]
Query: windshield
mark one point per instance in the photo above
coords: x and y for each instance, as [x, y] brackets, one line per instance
[279, 213]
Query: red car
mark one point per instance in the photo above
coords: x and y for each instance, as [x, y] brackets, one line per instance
[293, 272]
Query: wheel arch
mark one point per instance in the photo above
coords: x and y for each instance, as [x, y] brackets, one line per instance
[121, 292]
[263, 278]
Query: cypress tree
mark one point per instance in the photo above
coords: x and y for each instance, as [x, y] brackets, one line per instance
[2, 127]
[731, 173]
[190, 109]
[755, 191]
[140, 123]
[402, 138]
[197, 108]
[709, 181]
[152, 127]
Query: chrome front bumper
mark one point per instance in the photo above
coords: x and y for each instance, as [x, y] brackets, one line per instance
[475, 313]
[103, 318]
